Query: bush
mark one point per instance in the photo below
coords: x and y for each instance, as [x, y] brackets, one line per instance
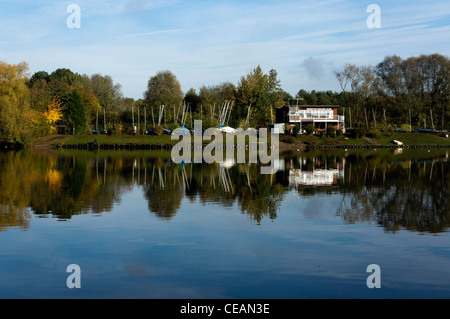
[296, 130]
[321, 133]
[339, 133]
[405, 128]
[373, 133]
[358, 132]
[114, 128]
[158, 130]
[331, 131]
[309, 129]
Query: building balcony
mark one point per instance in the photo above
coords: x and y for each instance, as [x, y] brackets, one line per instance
[298, 118]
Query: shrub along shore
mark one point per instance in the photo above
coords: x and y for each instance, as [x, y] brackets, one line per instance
[287, 142]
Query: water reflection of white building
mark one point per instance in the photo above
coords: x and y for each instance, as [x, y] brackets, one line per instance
[317, 173]
[317, 177]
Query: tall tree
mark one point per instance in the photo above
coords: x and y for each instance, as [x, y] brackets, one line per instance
[15, 116]
[192, 99]
[390, 71]
[164, 89]
[263, 92]
[74, 112]
[107, 92]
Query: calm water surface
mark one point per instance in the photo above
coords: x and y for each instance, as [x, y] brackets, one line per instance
[140, 226]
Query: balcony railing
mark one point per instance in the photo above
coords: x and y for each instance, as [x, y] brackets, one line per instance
[298, 118]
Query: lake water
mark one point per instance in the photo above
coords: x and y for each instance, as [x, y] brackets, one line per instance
[140, 226]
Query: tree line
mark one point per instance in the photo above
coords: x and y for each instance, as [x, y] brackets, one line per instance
[412, 92]
[64, 101]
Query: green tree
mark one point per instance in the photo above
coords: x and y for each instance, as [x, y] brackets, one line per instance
[107, 92]
[164, 89]
[40, 95]
[192, 99]
[37, 77]
[74, 111]
[61, 81]
[263, 92]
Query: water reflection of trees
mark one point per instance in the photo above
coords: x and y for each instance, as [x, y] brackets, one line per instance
[408, 194]
[64, 184]
[256, 197]
[395, 190]
[405, 191]
[14, 205]
[47, 183]
[164, 191]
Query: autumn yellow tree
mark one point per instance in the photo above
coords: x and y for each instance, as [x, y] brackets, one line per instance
[53, 114]
[15, 116]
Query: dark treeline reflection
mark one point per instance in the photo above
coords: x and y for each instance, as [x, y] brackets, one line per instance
[396, 189]
[411, 192]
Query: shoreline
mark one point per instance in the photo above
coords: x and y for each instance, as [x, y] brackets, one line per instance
[164, 142]
[282, 147]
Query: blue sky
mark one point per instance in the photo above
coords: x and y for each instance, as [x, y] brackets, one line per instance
[209, 42]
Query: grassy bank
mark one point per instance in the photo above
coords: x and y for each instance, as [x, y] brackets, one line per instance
[383, 139]
[298, 142]
[120, 139]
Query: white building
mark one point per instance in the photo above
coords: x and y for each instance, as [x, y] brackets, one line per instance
[319, 116]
